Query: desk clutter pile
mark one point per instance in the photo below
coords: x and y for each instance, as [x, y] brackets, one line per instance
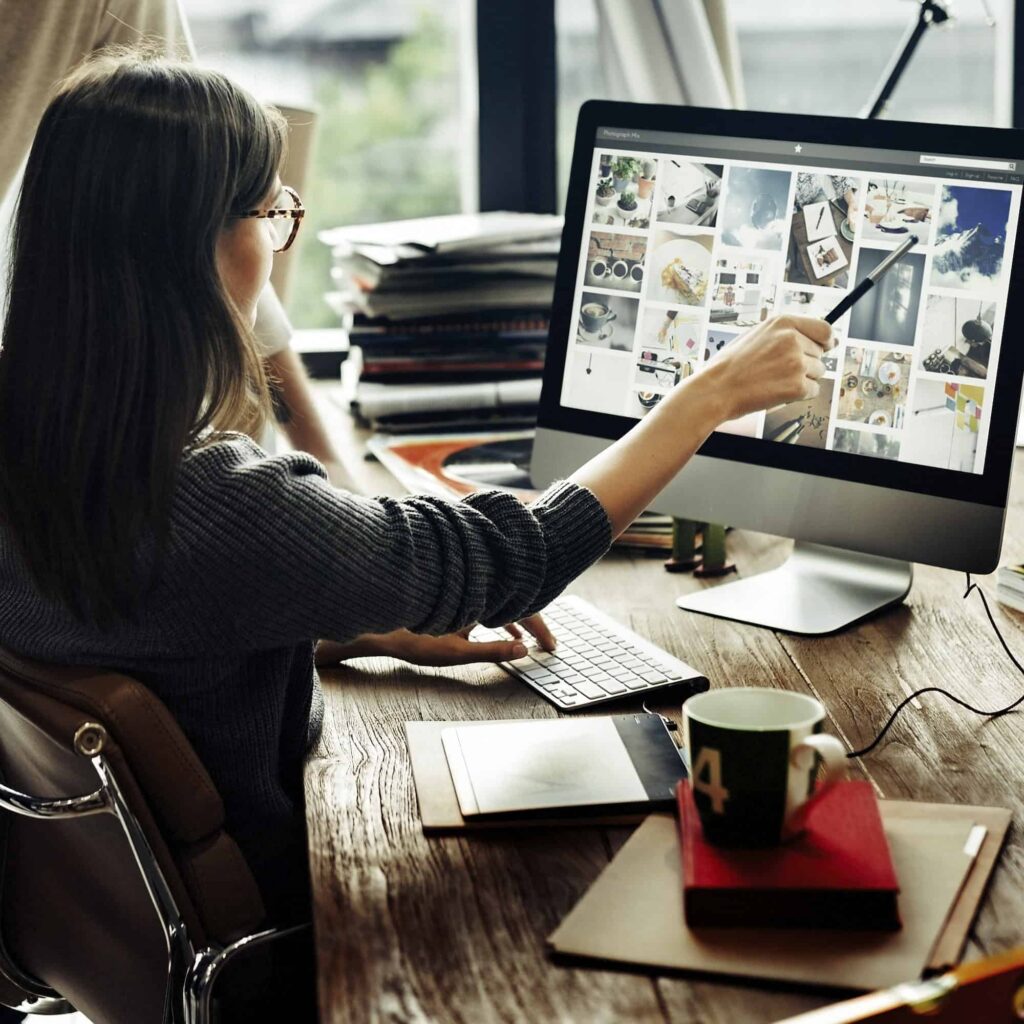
[873, 893]
[448, 321]
[449, 315]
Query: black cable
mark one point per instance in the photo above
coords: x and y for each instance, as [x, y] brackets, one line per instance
[938, 689]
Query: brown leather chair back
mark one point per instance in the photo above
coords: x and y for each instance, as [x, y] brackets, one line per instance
[74, 911]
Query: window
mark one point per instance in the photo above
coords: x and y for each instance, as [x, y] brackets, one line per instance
[818, 57]
[826, 57]
[387, 80]
[582, 75]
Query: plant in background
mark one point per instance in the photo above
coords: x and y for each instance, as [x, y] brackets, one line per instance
[390, 126]
[605, 191]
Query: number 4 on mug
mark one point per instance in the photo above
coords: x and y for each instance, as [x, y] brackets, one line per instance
[707, 778]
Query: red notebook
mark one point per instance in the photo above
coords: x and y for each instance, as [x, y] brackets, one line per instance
[837, 874]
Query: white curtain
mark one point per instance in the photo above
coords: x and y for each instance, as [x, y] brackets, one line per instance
[7, 204]
[670, 51]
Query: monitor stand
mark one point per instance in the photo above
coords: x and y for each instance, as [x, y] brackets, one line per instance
[817, 590]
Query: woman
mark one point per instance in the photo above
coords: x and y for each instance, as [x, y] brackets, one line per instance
[139, 531]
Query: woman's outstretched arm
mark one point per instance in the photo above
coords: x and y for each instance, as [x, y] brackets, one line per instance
[778, 361]
[281, 556]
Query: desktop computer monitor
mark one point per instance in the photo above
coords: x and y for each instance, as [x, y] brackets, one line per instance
[685, 227]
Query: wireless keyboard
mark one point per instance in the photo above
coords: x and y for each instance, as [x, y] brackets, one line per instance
[597, 661]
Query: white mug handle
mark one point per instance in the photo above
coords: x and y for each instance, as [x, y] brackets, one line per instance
[833, 753]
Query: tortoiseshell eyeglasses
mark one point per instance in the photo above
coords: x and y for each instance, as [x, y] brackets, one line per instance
[284, 218]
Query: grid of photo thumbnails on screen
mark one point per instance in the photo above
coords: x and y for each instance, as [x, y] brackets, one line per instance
[680, 257]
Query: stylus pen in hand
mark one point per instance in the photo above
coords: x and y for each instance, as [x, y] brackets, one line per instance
[869, 282]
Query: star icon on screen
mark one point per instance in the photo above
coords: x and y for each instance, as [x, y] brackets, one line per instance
[798, 148]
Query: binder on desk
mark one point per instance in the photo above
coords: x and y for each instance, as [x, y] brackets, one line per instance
[989, 990]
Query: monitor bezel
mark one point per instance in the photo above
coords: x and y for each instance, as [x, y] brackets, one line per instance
[988, 488]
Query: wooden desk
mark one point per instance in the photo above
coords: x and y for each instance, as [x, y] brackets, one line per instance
[453, 929]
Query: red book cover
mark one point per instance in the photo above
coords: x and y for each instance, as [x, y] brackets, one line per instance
[836, 874]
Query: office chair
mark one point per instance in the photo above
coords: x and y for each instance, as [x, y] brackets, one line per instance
[121, 895]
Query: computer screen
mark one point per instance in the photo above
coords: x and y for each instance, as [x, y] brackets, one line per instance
[687, 240]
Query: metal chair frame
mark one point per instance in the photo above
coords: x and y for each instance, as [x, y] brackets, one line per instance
[191, 972]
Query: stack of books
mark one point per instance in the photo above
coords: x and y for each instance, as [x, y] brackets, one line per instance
[837, 874]
[1010, 586]
[449, 316]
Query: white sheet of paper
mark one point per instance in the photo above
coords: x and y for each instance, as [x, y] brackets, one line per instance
[532, 765]
[818, 219]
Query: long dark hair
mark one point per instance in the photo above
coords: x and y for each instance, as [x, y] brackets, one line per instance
[120, 346]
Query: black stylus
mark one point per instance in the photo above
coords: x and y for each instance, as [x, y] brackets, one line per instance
[869, 282]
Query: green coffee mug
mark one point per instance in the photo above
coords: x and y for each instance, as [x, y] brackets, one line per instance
[754, 755]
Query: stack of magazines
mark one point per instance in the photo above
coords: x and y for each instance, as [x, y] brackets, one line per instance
[449, 316]
[1010, 586]
[452, 465]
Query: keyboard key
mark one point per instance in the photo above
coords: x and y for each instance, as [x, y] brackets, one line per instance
[545, 677]
[612, 686]
[634, 683]
[560, 689]
[591, 690]
[543, 657]
[556, 665]
[572, 701]
[664, 666]
[653, 677]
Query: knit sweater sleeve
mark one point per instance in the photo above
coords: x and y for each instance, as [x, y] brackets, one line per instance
[270, 553]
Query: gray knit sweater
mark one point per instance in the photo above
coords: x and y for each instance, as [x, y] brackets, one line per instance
[264, 558]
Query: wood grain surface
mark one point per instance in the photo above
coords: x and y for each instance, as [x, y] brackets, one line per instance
[453, 928]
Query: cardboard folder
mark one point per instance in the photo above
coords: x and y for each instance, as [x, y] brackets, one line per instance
[633, 913]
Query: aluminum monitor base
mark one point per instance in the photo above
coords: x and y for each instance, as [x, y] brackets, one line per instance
[817, 590]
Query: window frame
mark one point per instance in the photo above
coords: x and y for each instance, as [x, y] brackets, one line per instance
[517, 101]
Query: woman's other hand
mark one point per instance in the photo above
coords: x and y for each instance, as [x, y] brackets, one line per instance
[453, 649]
[779, 361]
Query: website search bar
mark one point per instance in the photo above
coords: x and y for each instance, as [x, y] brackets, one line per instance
[966, 161]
